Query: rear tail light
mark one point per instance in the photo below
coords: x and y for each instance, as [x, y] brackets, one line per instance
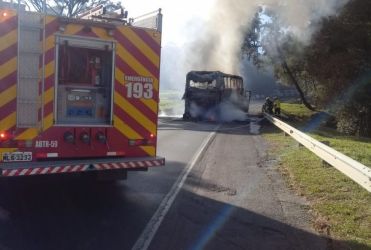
[102, 138]
[152, 139]
[7, 140]
[4, 136]
[85, 138]
[69, 137]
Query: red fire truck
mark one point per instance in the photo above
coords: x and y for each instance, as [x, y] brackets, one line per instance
[78, 95]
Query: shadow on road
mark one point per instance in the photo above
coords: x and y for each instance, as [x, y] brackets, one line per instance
[198, 222]
[60, 214]
[66, 213]
[74, 213]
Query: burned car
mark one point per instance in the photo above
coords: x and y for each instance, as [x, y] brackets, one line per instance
[207, 92]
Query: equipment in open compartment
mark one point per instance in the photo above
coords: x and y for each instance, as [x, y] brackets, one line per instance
[85, 78]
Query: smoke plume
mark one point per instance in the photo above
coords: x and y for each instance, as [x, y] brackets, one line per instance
[217, 45]
[225, 111]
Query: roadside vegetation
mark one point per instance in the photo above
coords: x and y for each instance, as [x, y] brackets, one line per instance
[330, 71]
[171, 102]
[342, 208]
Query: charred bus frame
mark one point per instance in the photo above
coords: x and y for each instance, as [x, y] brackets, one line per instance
[205, 90]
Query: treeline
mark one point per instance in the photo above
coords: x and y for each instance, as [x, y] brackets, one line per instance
[331, 71]
[69, 8]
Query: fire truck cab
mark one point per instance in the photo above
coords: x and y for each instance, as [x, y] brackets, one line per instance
[78, 94]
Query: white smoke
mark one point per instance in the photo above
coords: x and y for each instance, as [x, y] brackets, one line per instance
[224, 112]
[196, 111]
[217, 45]
[230, 113]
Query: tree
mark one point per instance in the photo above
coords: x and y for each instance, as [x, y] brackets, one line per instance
[292, 66]
[339, 58]
[69, 8]
[334, 69]
[37, 4]
[251, 43]
[278, 48]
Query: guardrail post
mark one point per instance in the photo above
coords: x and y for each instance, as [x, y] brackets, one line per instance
[325, 164]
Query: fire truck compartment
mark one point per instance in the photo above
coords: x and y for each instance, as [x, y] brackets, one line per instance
[84, 81]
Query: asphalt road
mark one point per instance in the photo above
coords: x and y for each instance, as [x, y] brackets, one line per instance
[233, 197]
[81, 214]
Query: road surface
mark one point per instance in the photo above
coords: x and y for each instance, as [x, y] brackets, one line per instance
[69, 214]
[235, 199]
[230, 198]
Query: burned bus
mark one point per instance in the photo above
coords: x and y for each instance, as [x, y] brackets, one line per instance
[205, 91]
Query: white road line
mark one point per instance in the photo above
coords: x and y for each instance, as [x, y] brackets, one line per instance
[153, 225]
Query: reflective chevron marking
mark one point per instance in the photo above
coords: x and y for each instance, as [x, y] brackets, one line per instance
[81, 168]
[8, 70]
[137, 54]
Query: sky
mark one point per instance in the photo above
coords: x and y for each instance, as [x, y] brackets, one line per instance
[178, 15]
[207, 34]
[181, 21]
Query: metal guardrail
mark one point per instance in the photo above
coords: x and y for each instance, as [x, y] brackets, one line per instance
[358, 172]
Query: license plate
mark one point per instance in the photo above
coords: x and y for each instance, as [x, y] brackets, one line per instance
[17, 156]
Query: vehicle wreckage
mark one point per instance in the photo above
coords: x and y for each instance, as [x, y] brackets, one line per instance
[206, 91]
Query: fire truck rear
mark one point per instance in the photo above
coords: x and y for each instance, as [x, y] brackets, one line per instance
[78, 95]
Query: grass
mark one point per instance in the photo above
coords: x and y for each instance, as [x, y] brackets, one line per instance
[171, 94]
[170, 101]
[343, 208]
[299, 111]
